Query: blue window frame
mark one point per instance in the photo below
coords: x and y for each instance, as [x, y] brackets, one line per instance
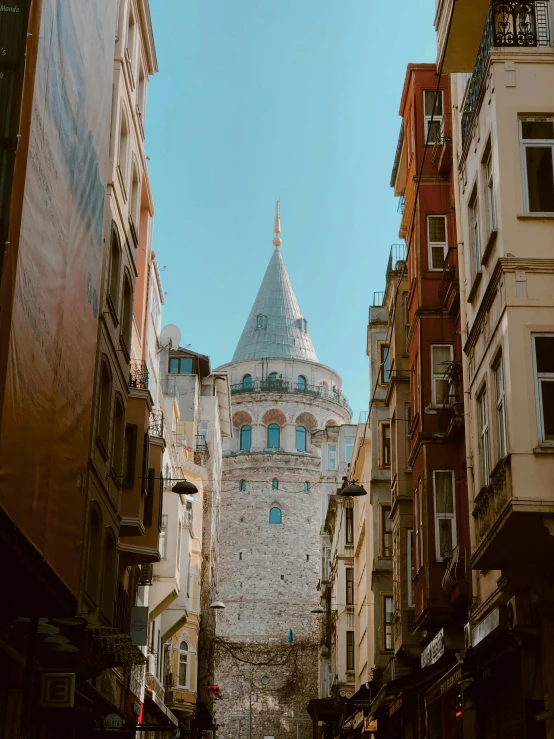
[306, 487]
[180, 366]
[273, 436]
[301, 382]
[247, 382]
[275, 515]
[275, 484]
[243, 486]
[301, 438]
[246, 437]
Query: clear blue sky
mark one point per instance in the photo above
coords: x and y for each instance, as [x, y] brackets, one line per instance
[292, 98]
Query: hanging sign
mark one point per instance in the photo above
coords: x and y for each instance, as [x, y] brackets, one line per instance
[57, 690]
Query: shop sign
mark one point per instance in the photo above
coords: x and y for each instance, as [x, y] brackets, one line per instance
[486, 626]
[370, 724]
[451, 681]
[139, 625]
[433, 651]
[57, 690]
[395, 706]
[113, 721]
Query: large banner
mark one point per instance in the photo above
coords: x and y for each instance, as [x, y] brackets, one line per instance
[44, 438]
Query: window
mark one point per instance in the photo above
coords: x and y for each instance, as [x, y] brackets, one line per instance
[302, 382]
[441, 356]
[384, 363]
[474, 237]
[437, 241]
[105, 405]
[500, 409]
[386, 531]
[261, 321]
[183, 664]
[387, 619]
[134, 210]
[537, 141]
[418, 526]
[385, 445]
[163, 537]
[445, 513]
[273, 436]
[245, 437]
[306, 487]
[410, 568]
[247, 382]
[489, 192]
[123, 149]
[331, 456]
[273, 377]
[350, 651]
[275, 484]
[432, 110]
[115, 268]
[483, 415]
[348, 448]
[543, 355]
[180, 366]
[275, 515]
[202, 440]
[349, 586]
[301, 436]
[243, 486]
[349, 525]
[179, 543]
[127, 313]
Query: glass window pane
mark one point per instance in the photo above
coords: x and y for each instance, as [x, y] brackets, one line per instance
[445, 536]
[430, 103]
[247, 381]
[301, 382]
[275, 515]
[544, 353]
[300, 439]
[441, 390]
[547, 393]
[443, 493]
[174, 366]
[245, 437]
[537, 129]
[540, 179]
[434, 130]
[437, 229]
[437, 257]
[273, 436]
[440, 354]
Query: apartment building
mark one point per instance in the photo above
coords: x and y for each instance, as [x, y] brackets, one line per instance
[501, 59]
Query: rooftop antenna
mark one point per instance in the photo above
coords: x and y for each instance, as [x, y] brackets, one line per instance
[277, 227]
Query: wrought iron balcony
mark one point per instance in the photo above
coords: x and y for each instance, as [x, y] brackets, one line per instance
[156, 423]
[449, 285]
[442, 149]
[510, 24]
[138, 375]
[397, 258]
[268, 385]
[456, 570]
[378, 299]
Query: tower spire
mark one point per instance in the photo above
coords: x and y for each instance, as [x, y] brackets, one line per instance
[277, 227]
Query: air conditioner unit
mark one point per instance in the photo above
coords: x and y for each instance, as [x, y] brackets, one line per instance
[519, 612]
[170, 680]
[170, 697]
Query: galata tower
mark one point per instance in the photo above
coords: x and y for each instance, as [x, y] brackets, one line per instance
[274, 497]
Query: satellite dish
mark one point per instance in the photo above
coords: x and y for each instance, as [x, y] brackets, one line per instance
[170, 336]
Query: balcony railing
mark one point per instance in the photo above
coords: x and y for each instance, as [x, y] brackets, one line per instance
[442, 151]
[267, 385]
[450, 275]
[156, 423]
[378, 299]
[456, 570]
[138, 375]
[397, 258]
[512, 24]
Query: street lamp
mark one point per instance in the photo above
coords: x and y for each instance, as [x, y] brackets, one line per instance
[184, 487]
[318, 609]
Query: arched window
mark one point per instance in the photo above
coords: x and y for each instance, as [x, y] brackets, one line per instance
[94, 554]
[115, 268]
[301, 382]
[275, 515]
[273, 436]
[135, 199]
[272, 377]
[306, 487]
[127, 313]
[183, 664]
[243, 486]
[105, 405]
[275, 484]
[246, 437]
[301, 436]
[123, 148]
[109, 570]
[118, 437]
[247, 382]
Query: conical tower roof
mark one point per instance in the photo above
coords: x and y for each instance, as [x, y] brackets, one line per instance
[275, 327]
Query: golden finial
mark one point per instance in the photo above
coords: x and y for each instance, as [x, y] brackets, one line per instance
[277, 227]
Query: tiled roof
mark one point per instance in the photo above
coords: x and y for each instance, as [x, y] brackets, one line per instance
[275, 327]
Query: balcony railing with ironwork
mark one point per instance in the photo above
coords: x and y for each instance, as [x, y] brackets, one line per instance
[397, 258]
[267, 385]
[442, 149]
[138, 375]
[450, 277]
[510, 24]
[201, 450]
[456, 570]
[378, 299]
[156, 423]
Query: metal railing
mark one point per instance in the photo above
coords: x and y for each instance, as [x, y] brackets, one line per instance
[267, 385]
[397, 258]
[401, 204]
[378, 299]
[138, 374]
[456, 570]
[156, 423]
[511, 24]
[449, 271]
[443, 139]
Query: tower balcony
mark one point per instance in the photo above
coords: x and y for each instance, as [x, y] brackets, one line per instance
[268, 385]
